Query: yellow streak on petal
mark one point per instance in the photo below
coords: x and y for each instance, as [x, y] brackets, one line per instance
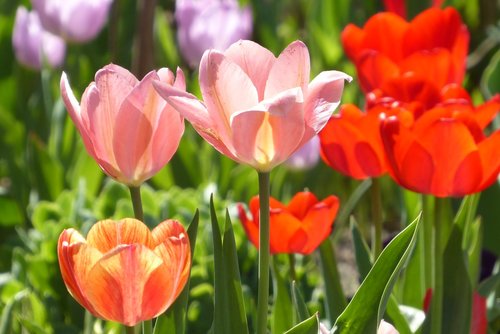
[264, 144]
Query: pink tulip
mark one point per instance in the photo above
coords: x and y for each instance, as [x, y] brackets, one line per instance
[126, 126]
[32, 44]
[258, 109]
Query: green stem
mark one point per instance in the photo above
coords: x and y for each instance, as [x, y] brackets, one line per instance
[135, 195]
[147, 327]
[291, 259]
[144, 43]
[129, 330]
[427, 209]
[264, 253]
[377, 218]
[437, 293]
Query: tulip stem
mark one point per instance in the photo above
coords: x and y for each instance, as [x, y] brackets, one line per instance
[264, 253]
[147, 327]
[293, 275]
[437, 294]
[427, 210]
[377, 218]
[129, 330]
[135, 195]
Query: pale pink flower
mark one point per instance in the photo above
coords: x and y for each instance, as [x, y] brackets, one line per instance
[125, 125]
[258, 109]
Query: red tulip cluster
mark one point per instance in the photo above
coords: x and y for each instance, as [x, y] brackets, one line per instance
[420, 126]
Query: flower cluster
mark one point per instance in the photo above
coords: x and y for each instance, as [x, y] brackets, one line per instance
[40, 35]
[420, 126]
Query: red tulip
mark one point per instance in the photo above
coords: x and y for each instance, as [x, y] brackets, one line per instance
[433, 45]
[444, 152]
[351, 142]
[298, 227]
[258, 109]
[122, 271]
[125, 125]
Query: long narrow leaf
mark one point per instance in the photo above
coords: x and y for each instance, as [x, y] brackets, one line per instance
[367, 307]
[308, 326]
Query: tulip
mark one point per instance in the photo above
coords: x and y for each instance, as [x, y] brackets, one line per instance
[33, 45]
[210, 24]
[306, 157]
[298, 227]
[351, 143]
[444, 152]
[124, 272]
[433, 45]
[74, 20]
[126, 126]
[386, 328]
[258, 109]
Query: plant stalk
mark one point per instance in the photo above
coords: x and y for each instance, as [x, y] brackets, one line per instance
[135, 195]
[264, 253]
[437, 293]
[377, 218]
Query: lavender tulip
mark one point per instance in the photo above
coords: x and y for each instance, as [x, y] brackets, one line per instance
[210, 24]
[32, 44]
[74, 20]
[306, 157]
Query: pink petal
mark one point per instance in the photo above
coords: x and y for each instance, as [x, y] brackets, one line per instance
[197, 114]
[323, 97]
[291, 69]
[255, 60]
[267, 135]
[225, 87]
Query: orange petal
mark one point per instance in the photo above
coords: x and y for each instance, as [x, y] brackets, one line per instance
[119, 283]
[283, 233]
[318, 222]
[105, 235]
[301, 203]
[175, 251]
[75, 260]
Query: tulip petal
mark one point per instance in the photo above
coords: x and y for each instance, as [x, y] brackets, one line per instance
[300, 204]
[267, 136]
[255, 60]
[197, 114]
[436, 65]
[291, 70]
[323, 97]
[374, 69]
[75, 260]
[318, 222]
[119, 283]
[251, 226]
[490, 159]
[485, 113]
[173, 247]
[105, 235]
[417, 169]
[468, 176]
[138, 112]
[219, 78]
[283, 233]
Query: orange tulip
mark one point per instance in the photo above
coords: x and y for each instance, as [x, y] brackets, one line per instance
[433, 45]
[444, 152]
[129, 130]
[298, 227]
[351, 142]
[122, 271]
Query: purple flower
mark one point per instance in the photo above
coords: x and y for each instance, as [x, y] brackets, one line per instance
[74, 20]
[32, 44]
[306, 157]
[210, 24]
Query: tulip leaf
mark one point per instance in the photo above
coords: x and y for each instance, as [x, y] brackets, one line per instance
[457, 288]
[282, 311]
[299, 303]
[308, 326]
[229, 309]
[334, 295]
[174, 320]
[490, 81]
[364, 265]
[364, 312]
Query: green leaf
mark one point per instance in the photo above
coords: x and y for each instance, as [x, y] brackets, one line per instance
[334, 295]
[364, 265]
[308, 326]
[229, 308]
[282, 311]
[457, 291]
[299, 303]
[174, 320]
[490, 81]
[364, 312]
